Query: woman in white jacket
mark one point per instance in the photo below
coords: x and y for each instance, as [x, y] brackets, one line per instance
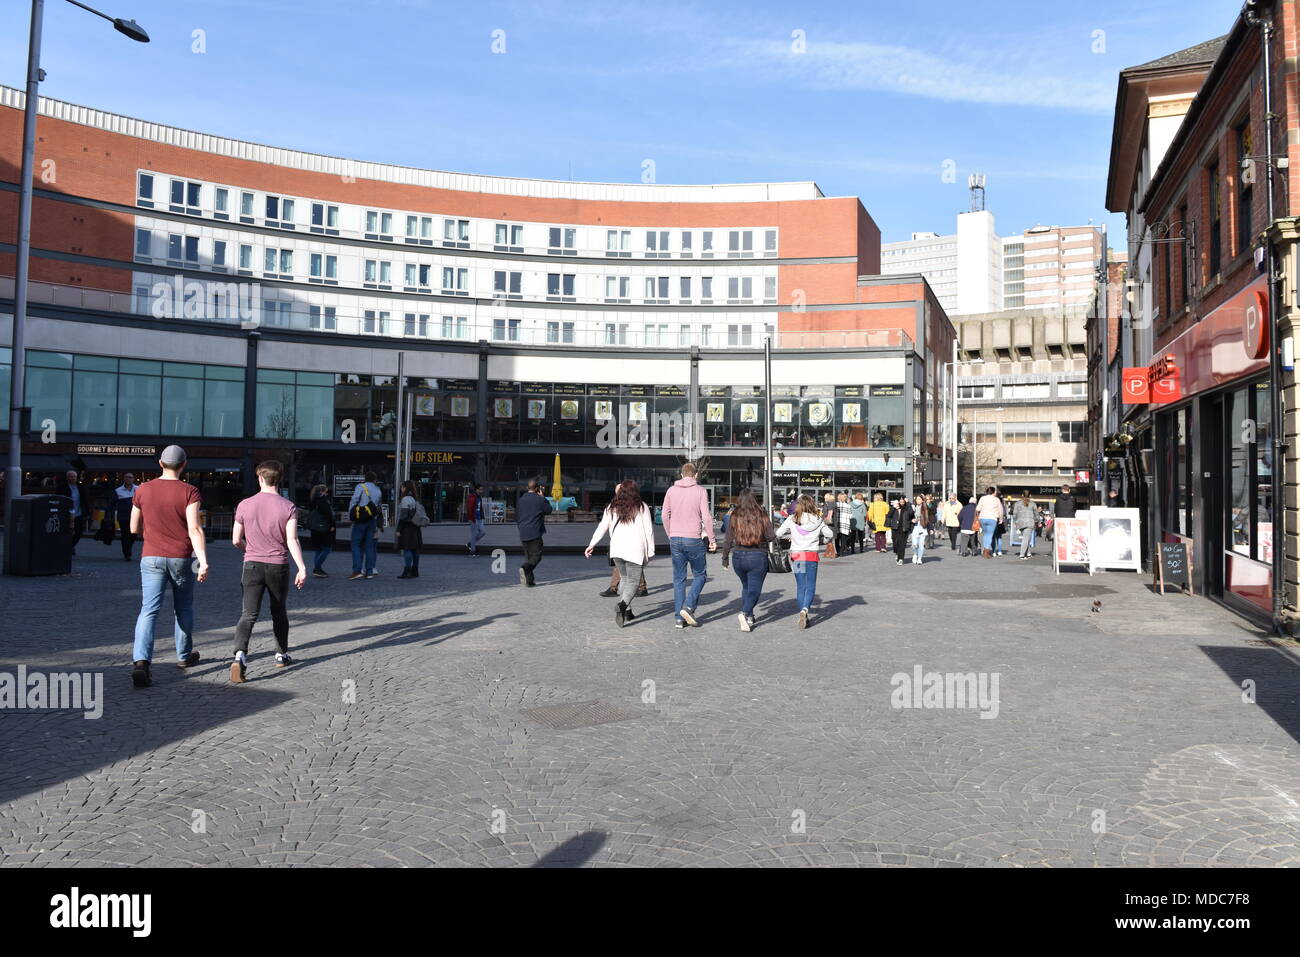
[631, 543]
[807, 533]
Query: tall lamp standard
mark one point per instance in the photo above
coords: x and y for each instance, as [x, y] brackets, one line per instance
[18, 369]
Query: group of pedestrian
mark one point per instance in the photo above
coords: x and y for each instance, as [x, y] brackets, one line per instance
[165, 514]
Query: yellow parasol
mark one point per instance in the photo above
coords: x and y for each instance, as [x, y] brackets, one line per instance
[557, 490]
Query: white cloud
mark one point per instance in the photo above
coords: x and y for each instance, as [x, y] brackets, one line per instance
[1006, 78]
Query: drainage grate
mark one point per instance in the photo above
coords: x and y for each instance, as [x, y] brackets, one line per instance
[581, 714]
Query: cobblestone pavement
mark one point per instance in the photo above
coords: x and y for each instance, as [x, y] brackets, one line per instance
[1121, 737]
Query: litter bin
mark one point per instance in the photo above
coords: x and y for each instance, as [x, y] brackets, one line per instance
[40, 531]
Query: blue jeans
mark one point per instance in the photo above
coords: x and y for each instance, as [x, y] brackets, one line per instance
[805, 583]
[155, 574]
[987, 528]
[476, 533]
[410, 559]
[365, 546]
[322, 553]
[692, 552]
[750, 566]
[919, 536]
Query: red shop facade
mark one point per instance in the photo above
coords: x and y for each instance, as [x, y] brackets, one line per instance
[1213, 450]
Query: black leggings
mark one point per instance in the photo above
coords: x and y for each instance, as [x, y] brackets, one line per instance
[900, 543]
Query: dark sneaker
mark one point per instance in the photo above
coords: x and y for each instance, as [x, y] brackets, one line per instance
[320, 574]
[620, 615]
[237, 670]
[406, 573]
[371, 574]
[628, 616]
[689, 617]
[190, 660]
[354, 576]
[609, 593]
[678, 623]
[140, 676]
[642, 592]
[282, 660]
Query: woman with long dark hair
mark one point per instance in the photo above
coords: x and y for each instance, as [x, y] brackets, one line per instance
[807, 533]
[409, 537]
[748, 532]
[631, 542]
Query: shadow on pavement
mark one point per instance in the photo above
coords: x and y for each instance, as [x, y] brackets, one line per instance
[1276, 678]
[576, 851]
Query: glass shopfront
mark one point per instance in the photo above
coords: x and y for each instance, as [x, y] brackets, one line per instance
[1228, 436]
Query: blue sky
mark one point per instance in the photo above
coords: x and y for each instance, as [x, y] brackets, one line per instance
[881, 96]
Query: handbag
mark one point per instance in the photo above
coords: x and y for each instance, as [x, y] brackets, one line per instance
[363, 511]
[830, 549]
[316, 521]
[778, 558]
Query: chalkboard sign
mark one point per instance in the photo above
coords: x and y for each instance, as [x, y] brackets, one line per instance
[1175, 566]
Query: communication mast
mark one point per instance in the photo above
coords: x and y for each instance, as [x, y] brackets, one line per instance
[976, 183]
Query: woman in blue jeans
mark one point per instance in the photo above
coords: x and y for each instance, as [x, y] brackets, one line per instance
[745, 549]
[807, 533]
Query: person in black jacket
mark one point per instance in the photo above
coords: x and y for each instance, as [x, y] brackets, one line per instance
[900, 523]
[530, 515]
[322, 528]
[1065, 505]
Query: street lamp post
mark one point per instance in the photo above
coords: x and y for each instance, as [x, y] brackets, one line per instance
[18, 368]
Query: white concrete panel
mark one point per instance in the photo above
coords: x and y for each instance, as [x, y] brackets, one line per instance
[325, 358]
[612, 368]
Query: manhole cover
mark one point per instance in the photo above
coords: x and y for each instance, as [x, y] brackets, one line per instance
[581, 714]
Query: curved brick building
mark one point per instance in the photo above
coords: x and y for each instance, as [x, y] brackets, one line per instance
[248, 300]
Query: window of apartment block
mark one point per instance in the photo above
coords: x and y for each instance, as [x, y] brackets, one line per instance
[686, 251]
[219, 254]
[324, 219]
[656, 289]
[455, 281]
[379, 225]
[245, 207]
[738, 335]
[144, 243]
[221, 203]
[769, 242]
[185, 197]
[506, 329]
[740, 243]
[618, 242]
[706, 244]
[618, 288]
[616, 334]
[144, 189]
[560, 241]
[740, 289]
[656, 243]
[769, 288]
[245, 256]
[322, 317]
[455, 232]
[191, 249]
[685, 288]
[508, 237]
[324, 267]
[706, 289]
[560, 286]
[1245, 190]
[374, 322]
[507, 284]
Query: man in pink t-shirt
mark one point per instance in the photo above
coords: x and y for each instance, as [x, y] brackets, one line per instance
[266, 527]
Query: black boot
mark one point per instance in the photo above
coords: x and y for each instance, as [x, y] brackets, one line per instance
[609, 593]
[620, 614]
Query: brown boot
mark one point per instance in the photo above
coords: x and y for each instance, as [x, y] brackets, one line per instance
[987, 553]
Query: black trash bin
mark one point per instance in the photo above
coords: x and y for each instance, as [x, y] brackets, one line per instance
[40, 532]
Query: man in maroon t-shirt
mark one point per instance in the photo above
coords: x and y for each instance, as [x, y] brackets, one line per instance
[266, 528]
[166, 512]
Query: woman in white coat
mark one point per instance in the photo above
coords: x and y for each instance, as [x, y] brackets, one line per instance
[631, 543]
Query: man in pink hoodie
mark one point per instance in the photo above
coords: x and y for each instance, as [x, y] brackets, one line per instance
[687, 522]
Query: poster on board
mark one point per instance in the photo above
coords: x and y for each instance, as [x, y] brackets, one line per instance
[1114, 538]
[1070, 542]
